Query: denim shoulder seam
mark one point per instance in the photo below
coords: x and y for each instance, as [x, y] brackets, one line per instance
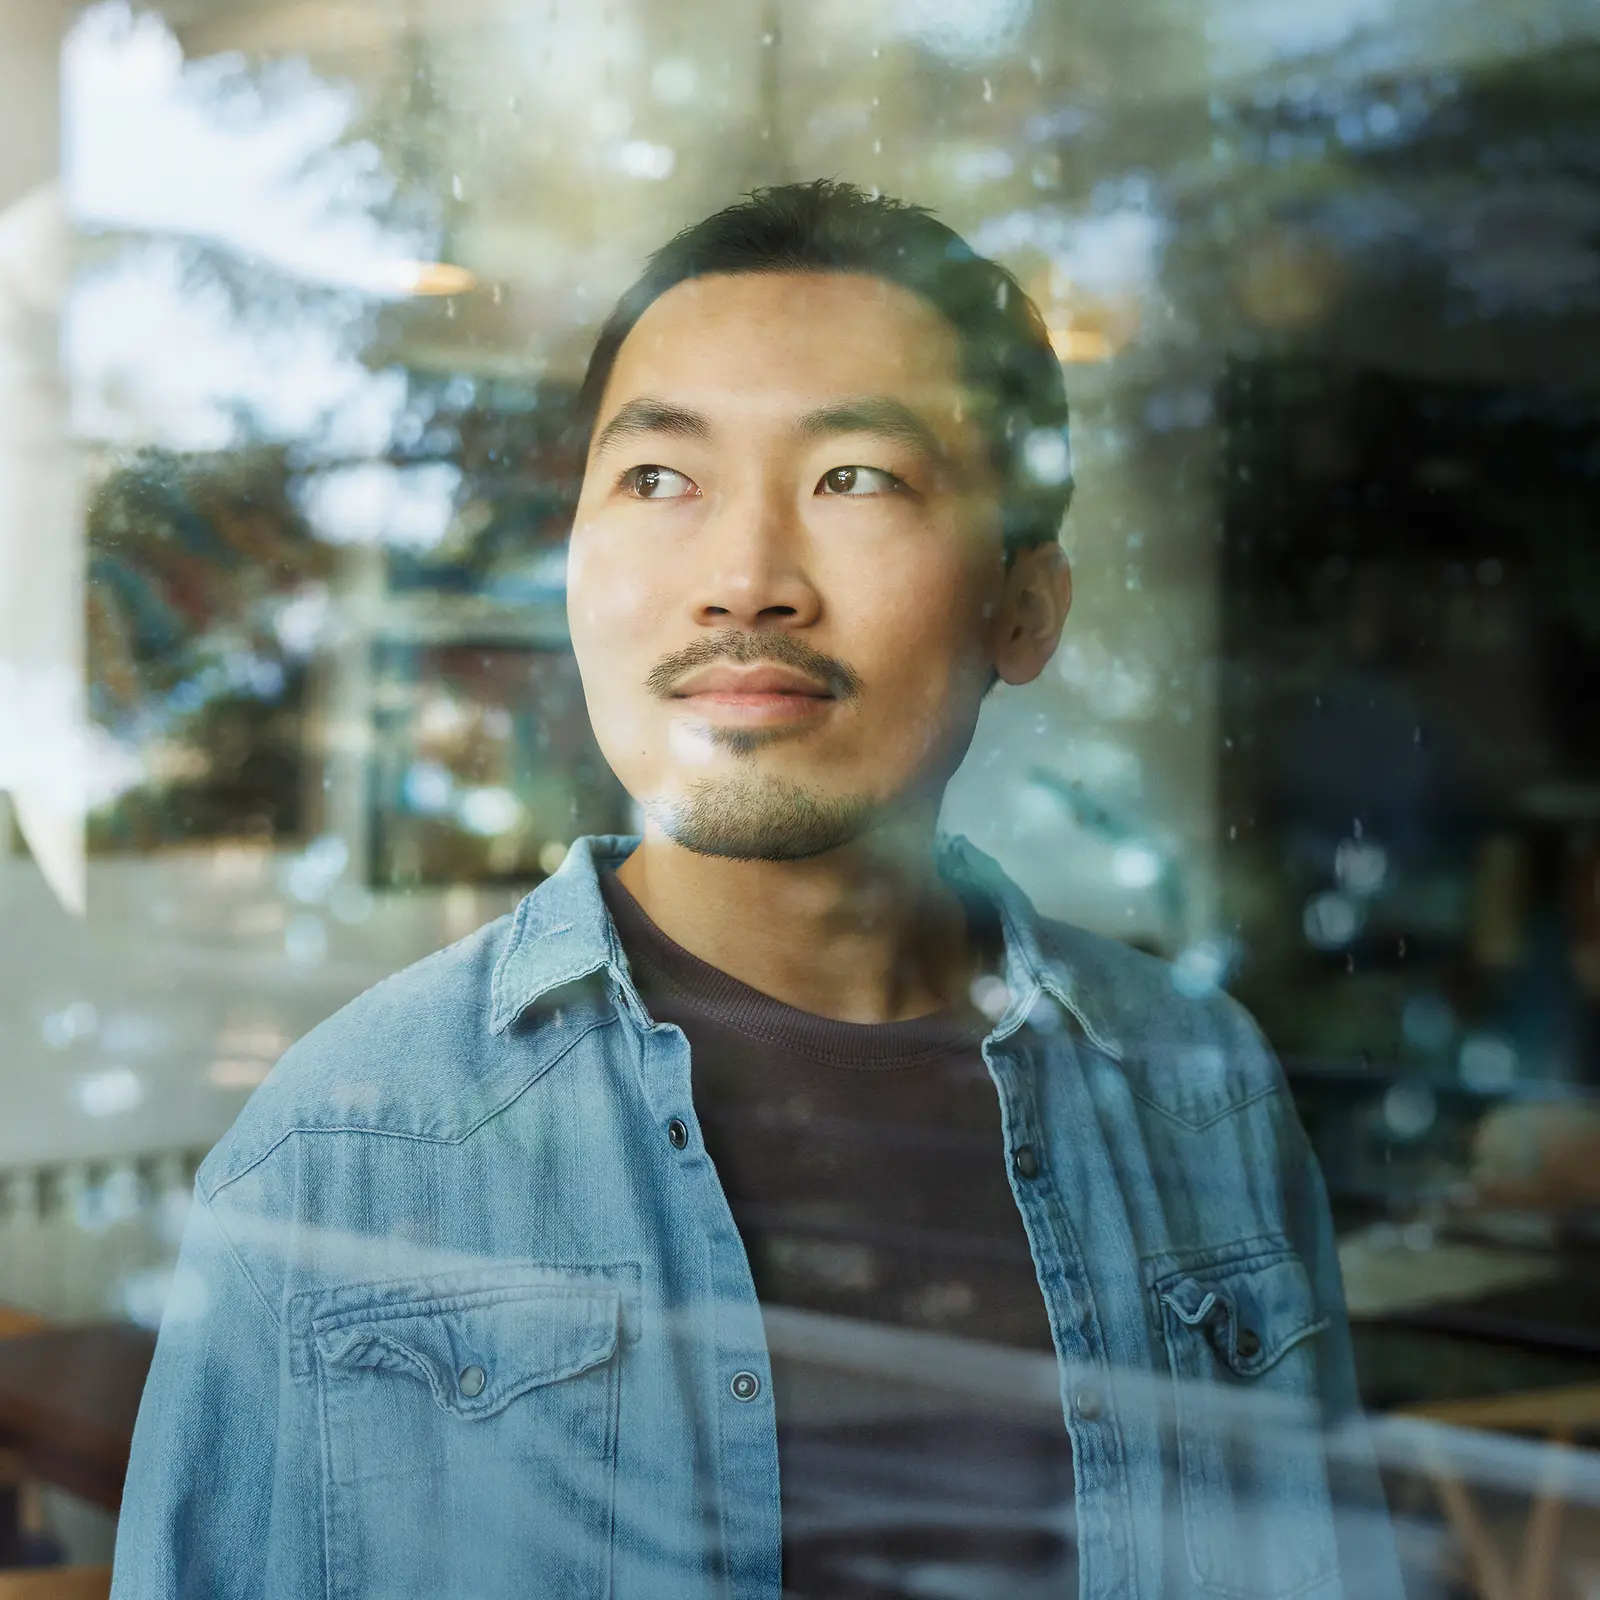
[238, 1261]
[418, 1138]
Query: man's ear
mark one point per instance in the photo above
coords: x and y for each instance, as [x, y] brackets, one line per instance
[1038, 595]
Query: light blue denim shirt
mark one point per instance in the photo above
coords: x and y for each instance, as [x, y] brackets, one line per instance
[456, 1317]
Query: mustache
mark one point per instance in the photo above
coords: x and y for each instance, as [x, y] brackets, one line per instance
[743, 648]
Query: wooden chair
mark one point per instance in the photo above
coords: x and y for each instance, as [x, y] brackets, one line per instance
[1558, 1417]
[44, 1583]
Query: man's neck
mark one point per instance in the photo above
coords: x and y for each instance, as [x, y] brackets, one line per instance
[866, 933]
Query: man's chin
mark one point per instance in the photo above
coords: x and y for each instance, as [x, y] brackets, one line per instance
[761, 818]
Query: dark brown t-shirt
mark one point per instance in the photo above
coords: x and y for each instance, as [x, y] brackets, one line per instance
[865, 1168]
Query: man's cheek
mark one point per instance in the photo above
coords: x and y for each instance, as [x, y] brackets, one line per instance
[904, 714]
[619, 594]
[935, 708]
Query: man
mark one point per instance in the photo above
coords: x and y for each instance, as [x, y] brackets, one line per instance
[484, 1293]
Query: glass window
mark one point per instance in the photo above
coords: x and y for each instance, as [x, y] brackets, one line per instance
[305, 676]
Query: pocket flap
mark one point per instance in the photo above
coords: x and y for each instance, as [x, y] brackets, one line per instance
[477, 1353]
[1252, 1312]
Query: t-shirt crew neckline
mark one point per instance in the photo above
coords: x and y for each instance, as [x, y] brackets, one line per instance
[660, 963]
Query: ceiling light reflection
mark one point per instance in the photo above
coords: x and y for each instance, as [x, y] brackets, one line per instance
[1073, 345]
[431, 278]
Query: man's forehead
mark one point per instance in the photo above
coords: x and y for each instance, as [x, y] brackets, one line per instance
[787, 343]
[793, 298]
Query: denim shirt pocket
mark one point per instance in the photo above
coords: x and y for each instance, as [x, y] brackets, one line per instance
[1241, 1342]
[469, 1439]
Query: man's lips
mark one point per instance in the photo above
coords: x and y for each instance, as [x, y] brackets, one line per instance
[724, 682]
[763, 693]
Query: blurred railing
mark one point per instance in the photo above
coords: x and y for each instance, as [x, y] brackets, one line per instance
[89, 1239]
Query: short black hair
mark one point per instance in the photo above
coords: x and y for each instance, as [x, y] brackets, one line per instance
[826, 226]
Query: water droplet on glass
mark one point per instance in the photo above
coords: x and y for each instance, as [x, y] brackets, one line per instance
[351, 903]
[1427, 1021]
[1330, 921]
[1361, 866]
[1136, 866]
[1409, 1110]
[305, 940]
[1487, 1062]
[109, 1093]
[990, 995]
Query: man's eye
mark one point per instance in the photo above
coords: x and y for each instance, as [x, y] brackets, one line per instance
[657, 483]
[858, 481]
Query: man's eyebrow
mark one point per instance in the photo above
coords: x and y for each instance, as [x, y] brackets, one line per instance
[880, 414]
[647, 415]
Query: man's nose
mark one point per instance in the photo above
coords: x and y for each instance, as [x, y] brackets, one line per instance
[754, 563]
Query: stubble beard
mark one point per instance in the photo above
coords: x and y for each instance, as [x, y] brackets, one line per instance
[760, 817]
[754, 815]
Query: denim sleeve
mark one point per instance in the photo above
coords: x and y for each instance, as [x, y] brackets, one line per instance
[1367, 1557]
[197, 1505]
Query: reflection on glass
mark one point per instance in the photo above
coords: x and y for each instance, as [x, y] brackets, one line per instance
[1324, 285]
[194, 564]
[485, 767]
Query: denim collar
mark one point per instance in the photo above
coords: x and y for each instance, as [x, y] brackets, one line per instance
[562, 932]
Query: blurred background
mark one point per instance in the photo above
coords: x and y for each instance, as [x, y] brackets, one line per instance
[294, 300]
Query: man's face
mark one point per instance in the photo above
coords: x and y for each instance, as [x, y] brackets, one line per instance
[787, 590]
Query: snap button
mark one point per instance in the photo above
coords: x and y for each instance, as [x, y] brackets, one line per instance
[1087, 1403]
[1248, 1343]
[745, 1386]
[678, 1133]
[1025, 1161]
[472, 1380]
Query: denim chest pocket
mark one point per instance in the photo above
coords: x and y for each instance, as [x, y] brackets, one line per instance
[1241, 1342]
[469, 1439]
